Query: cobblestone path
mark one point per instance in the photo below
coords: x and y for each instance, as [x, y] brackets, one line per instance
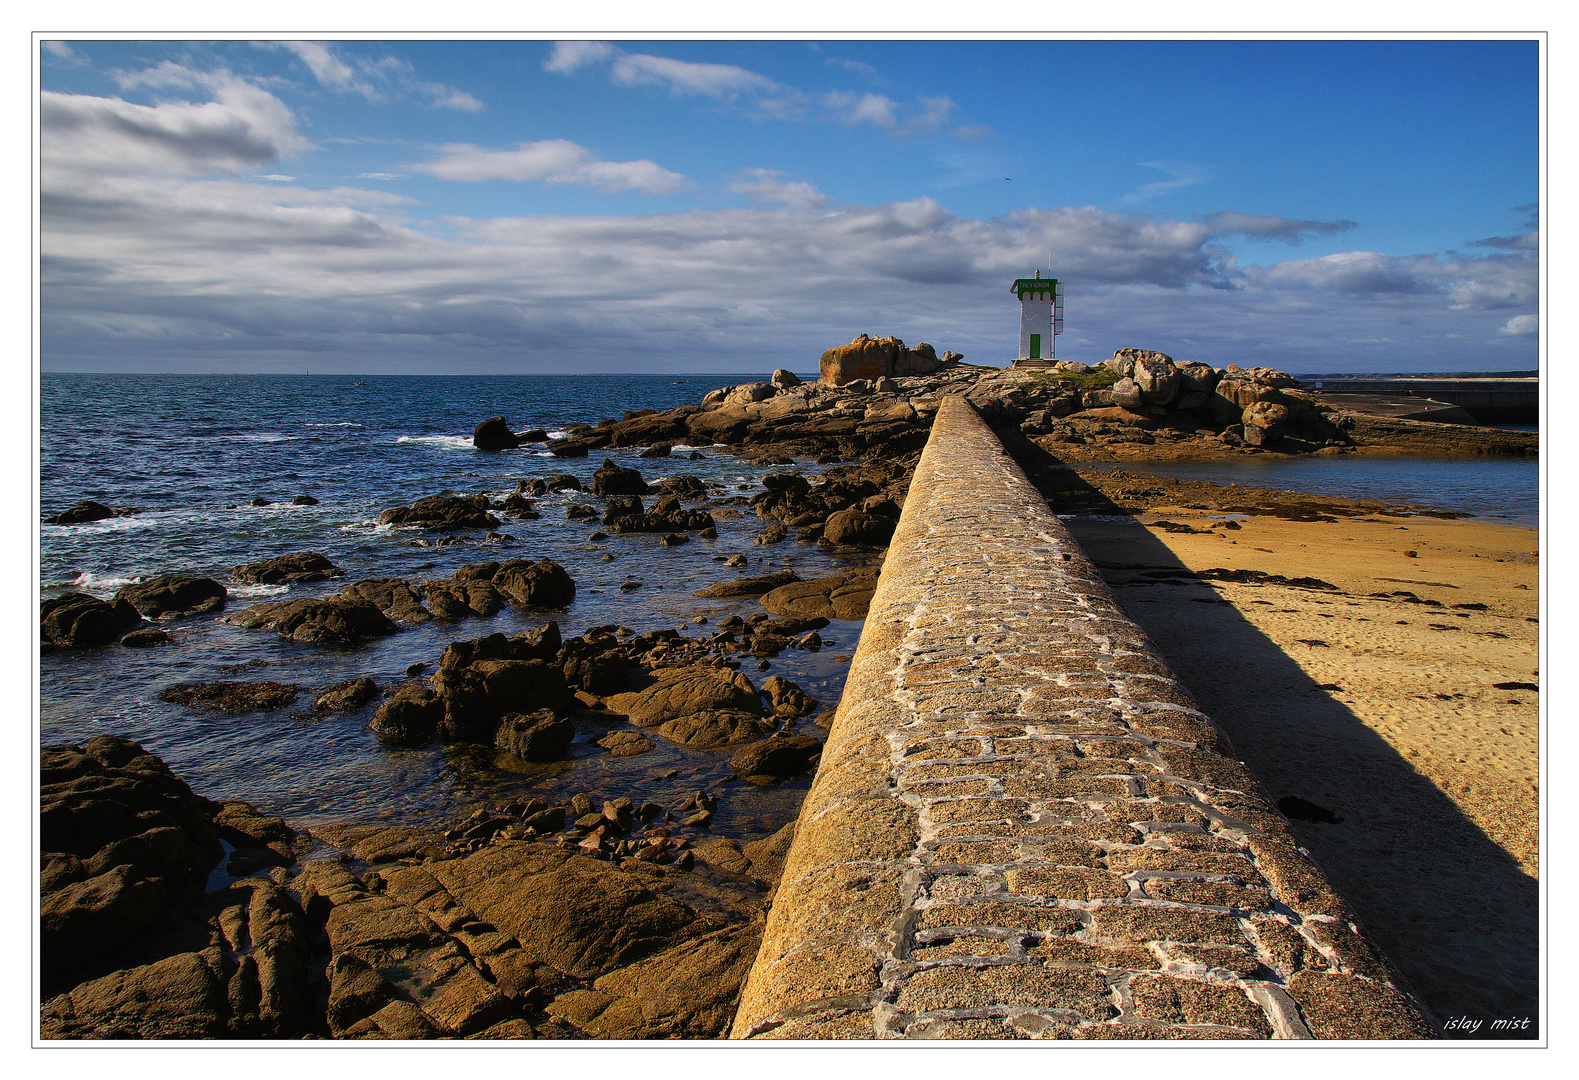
[1024, 827]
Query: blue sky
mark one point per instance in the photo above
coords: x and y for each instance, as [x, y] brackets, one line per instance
[505, 206]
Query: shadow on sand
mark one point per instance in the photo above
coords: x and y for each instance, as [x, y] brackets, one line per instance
[1449, 907]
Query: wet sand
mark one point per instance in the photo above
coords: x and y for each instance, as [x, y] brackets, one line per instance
[1382, 711]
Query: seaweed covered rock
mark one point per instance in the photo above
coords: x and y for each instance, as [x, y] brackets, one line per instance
[232, 697]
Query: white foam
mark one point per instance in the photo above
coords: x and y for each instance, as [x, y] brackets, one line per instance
[102, 585]
[256, 590]
[112, 525]
[342, 423]
[448, 442]
[559, 434]
[259, 437]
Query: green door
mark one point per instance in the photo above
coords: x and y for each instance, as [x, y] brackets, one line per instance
[1036, 346]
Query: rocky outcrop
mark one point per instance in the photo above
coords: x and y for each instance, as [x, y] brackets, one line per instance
[538, 736]
[481, 681]
[776, 757]
[787, 699]
[123, 840]
[174, 595]
[336, 621]
[130, 945]
[348, 696]
[687, 691]
[443, 513]
[477, 590]
[625, 514]
[842, 596]
[88, 511]
[77, 619]
[410, 716]
[494, 934]
[494, 434]
[612, 479]
[874, 358]
[300, 566]
[713, 728]
[750, 586]
[856, 528]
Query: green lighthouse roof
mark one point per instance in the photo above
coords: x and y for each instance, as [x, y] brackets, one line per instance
[1037, 284]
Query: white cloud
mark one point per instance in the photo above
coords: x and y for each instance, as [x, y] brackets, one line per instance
[851, 109]
[768, 186]
[1484, 283]
[60, 50]
[445, 97]
[552, 161]
[243, 128]
[1522, 325]
[329, 69]
[377, 79]
[724, 82]
[1181, 174]
[569, 56]
[932, 116]
[760, 96]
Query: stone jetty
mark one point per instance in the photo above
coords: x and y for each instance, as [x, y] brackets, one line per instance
[1023, 825]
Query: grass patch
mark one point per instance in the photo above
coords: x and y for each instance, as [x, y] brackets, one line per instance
[1095, 379]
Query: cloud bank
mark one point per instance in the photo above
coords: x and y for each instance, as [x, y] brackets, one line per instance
[160, 250]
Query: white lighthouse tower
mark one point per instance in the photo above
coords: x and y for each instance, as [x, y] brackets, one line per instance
[1041, 319]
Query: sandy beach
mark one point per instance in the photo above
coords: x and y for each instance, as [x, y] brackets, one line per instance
[1395, 693]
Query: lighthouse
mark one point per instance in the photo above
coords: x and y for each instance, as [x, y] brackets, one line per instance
[1041, 319]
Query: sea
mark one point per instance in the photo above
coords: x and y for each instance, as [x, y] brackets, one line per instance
[193, 451]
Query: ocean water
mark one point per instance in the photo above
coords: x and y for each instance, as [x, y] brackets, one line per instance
[1504, 490]
[193, 451]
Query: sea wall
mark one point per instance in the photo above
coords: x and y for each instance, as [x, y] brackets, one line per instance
[1023, 826]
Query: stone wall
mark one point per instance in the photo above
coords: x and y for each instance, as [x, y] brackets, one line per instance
[1023, 826]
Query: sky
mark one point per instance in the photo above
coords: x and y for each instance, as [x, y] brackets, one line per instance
[525, 206]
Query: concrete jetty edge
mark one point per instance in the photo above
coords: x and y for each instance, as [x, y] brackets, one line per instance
[1024, 827]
